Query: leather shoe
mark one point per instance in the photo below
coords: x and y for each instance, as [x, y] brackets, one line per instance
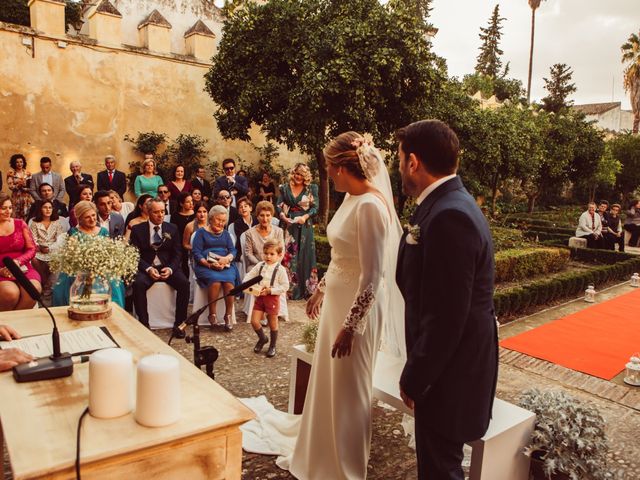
[271, 352]
[177, 333]
[259, 344]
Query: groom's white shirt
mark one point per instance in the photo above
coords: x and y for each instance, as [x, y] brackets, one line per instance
[425, 193]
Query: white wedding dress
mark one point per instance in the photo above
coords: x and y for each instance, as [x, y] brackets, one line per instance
[331, 439]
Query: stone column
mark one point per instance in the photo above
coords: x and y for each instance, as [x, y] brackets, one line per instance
[105, 24]
[200, 41]
[155, 33]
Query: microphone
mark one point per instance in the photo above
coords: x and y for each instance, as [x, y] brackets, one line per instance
[57, 365]
[193, 318]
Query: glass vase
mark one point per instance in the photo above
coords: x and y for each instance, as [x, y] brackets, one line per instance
[89, 294]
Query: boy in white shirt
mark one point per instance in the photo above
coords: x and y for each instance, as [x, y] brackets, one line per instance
[275, 282]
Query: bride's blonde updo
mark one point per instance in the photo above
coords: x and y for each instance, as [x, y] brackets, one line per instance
[355, 153]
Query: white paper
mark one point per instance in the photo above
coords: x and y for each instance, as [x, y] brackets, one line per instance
[86, 339]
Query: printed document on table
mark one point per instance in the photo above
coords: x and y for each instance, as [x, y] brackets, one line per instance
[81, 340]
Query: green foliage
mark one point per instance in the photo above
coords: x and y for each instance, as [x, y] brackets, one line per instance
[268, 162]
[626, 149]
[503, 88]
[186, 150]
[275, 68]
[488, 61]
[518, 264]
[323, 249]
[507, 238]
[146, 142]
[309, 335]
[559, 88]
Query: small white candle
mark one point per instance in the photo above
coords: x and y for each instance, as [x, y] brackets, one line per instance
[110, 383]
[158, 391]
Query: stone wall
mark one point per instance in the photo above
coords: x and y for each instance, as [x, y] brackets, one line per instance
[76, 97]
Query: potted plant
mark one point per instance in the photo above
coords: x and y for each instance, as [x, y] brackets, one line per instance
[568, 441]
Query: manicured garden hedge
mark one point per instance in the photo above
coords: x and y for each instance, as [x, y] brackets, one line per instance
[323, 250]
[516, 299]
[517, 264]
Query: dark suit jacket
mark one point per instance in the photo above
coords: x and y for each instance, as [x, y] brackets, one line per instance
[241, 185]
[169, 252]
[204, 186]
[71, 186]
[447, 282]
[57, 185]
[116, 225]
[119, 183]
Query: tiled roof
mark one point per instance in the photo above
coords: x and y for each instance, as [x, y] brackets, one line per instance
[596, 108]
[155, 18]
[106, 6]
[201, 28]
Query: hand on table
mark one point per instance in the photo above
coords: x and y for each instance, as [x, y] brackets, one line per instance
[8, 333]
[11, 357]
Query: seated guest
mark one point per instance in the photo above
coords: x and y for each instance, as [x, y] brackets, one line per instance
[632, 223]
[160, 258]
[603, 209]
[118, 206]
[45, 175]
[178, 184]
[45, 192]
[139, 214]
[48, 233]
[243, 223]
[590, 227]
[613, 233]
[236, 185]
[112, 179]
[223, 198]
[16, 243]
[107, 218]
[87, 215]
[170, 204]
[180, 219]
[75, 182]
[201, 183]
[85, 193]
[213, 254]
[147, 182]
[18, 180]
[197, 196]
[10, 357]
[200, 221]
[263, 231]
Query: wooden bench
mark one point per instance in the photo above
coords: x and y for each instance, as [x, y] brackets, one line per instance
[496, 456]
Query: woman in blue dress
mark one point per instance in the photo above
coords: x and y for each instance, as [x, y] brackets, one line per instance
[213, 253]
[87, 216]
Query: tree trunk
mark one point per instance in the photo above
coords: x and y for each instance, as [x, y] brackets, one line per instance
[323, 188]
[533, 31]
[494, 193]
[531, 202]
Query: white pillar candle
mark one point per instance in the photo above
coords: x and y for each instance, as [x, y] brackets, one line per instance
[158, 391]
[110, 383]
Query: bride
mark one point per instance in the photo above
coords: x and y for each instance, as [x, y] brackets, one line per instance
[331, 440]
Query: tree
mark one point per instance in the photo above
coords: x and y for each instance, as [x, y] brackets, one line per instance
[503, 88]
[626, 149]
[488, 62]
[534, 4]
[631, 53]
[559, 88]
[591, 166]
[275, 68]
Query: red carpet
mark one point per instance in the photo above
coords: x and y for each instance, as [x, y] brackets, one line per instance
[597, 340]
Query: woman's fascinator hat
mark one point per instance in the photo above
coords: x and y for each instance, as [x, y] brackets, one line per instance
[368, 155]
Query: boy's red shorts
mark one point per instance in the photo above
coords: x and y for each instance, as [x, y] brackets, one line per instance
[270, 304]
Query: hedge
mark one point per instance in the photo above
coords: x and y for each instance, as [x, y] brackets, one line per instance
[543, 236]
[514, 300]
[323, 250]
[517, 264]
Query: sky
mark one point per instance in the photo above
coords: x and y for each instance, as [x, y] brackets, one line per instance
[584, 34]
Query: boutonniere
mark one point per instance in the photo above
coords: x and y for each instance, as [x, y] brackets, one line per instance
[413, 234]
[166, 236]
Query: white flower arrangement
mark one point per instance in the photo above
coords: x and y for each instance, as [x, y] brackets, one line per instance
[111, 259]
[413, 234]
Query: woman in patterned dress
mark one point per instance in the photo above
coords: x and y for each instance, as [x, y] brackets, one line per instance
[18, 179]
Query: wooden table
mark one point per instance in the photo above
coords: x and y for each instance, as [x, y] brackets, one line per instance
[39, 419]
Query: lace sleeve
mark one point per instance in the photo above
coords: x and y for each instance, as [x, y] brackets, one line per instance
[371, 231]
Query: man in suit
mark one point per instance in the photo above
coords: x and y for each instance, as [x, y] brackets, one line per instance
[200, 182]
[170, 205]
[112, 179]
[445, 273]
[72, 182]
[46, 193]
[236, 185]
[224, 199]
[107, 218]
[160, 247]
[45, 175]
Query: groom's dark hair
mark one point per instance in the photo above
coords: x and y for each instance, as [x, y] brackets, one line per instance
[434, 144]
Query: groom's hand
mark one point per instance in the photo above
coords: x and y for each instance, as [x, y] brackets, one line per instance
[405, 398]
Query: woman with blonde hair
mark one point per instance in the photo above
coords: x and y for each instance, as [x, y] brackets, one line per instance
[297, 207]
[147, 182]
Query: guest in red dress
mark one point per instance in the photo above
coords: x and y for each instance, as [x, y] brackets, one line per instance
[16, 243]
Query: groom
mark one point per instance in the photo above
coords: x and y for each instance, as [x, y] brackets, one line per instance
[445, 273]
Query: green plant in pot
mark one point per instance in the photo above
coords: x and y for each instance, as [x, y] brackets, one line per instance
[568, 441]
[309, 335]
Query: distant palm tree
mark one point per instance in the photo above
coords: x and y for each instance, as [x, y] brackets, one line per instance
[534, 4]
[631, 53]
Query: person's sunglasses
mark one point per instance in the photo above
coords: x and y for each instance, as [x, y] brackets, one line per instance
[224, 197]
[227, 169]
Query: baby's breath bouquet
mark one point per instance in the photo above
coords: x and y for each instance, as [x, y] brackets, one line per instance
[96, 256]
